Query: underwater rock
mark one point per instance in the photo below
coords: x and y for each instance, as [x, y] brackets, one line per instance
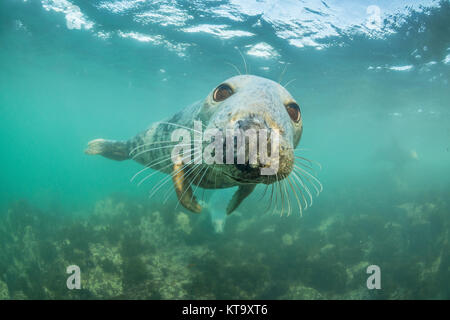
[327, 248]
[129, 250]
[19, 295]
[287, 239]
[183, 223]
[327, 223]
[322, 253]
[356, 274]
[418, 213]
[4, 292]
[357, 294]
[101, 284]
[167, 274]
[154, 232]
[108, 208]
[301, 292]
[104, 279]
[101, 253]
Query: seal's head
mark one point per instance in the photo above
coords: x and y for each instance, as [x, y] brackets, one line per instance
[246, 103]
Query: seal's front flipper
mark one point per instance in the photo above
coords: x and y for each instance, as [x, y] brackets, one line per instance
[241, 193]
[116, 150]
[184, 191]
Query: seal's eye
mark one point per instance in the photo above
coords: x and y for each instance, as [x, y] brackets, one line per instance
[294, 111]
[222, 92]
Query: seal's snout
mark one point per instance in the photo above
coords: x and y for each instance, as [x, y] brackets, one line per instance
[255, 149]
[254, 123]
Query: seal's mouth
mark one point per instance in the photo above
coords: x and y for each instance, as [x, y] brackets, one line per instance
[254, 173]
[293, 185]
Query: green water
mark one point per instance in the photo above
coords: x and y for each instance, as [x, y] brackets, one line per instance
[375, 107]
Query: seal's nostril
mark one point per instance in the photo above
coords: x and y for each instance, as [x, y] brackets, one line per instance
[241, 124]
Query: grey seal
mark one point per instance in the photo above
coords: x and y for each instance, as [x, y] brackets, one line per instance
[242, 102]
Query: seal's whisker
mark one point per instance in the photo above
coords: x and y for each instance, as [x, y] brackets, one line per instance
[160, 184]
[289, 194]
[271, 196]
[303, 185]
[180, 126]
[308, 191]
[187, 173]
[158, 142]
[299, 188]
[296, 196]
[313, 177]
[316, 188]
[166, 179]
[197, 169]
[301, 149]
[147, 166]
[281, 196]
[305, 165]
[159, 148]
[271, 199]
[276, 195]
[235, 68]
[152, 174]
[186, 165]
[170, 190]
[198, 172]
[312, 162]
[301, 193]
[281, 202]
[307, 169]
[280, 78]
[173, 174]
[194, 170]
[289, 82]
[298, 158]
[287, 197]
[275, 203]
[151, 163]
[156, 171]
[243, 58]
[199, 182]
[147, 144]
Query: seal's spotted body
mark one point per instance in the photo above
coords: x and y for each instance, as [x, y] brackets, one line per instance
[241, 102]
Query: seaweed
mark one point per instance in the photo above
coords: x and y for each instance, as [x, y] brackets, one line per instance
[128, 250]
